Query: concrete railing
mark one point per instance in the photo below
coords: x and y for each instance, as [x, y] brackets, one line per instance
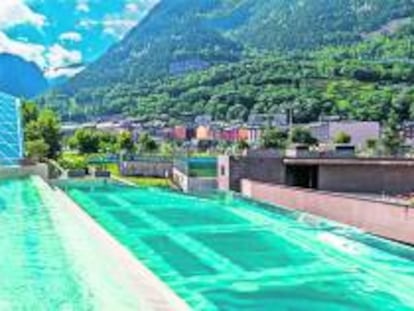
[392, 221]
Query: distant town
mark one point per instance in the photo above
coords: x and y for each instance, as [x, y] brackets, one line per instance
[202, 130]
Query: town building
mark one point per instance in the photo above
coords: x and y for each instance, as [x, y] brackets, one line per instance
[250, 134]
[204, 132]
[268, 120]
[183, 133]
[204, 119]
[230, 134]
[360, 131]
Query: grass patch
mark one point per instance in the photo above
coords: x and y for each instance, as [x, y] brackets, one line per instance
[140, 181]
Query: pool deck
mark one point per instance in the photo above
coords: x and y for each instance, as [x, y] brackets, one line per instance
[116, 279]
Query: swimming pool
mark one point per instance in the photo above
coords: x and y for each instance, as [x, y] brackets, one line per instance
[226, 253]
[55, 257]
[35, 271]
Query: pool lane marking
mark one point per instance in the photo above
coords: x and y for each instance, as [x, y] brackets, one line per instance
[207, 255]
[118, 227]
[155, 259]
[270, 277]
[382, 273]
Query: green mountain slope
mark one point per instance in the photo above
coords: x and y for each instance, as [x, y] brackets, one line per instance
[183, 35]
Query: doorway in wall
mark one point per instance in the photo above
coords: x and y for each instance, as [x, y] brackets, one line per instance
[303, 176]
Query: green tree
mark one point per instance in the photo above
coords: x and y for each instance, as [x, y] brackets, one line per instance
[167, 149]
[31, 131]
[273, 138]
[86, 141]
[391, 138]
[125, 141]
[30, 112]
[37, 149]
[48, 129]
[242, 145]
[342, 138]
[300, 135]
[147, 143]
[108, 143]
[372, 144]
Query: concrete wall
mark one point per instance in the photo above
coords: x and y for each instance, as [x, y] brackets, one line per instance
[150, 169]
[193, 185]
[388, 179]
[391, 221]
[357, 175]
[40, 169]
[231, 170]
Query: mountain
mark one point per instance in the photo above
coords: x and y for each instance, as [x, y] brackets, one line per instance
[20, 78]
[185, 54]
[184, 35]
[59, 75]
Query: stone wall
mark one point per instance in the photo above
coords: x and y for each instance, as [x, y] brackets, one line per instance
[388, 220]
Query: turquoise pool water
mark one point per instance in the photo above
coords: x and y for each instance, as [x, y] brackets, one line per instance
[35, 272]
[226, 253]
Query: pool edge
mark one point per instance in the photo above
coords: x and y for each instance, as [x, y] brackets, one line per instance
[154, 293]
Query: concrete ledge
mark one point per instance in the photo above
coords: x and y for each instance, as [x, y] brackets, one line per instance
[194, 184]
[392, 221]
[115, 278]
[40, 169]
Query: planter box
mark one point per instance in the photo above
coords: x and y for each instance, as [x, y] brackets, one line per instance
[76, 173]
[102, 174]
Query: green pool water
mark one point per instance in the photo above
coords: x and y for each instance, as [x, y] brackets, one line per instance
[35, 272]
[225, 253]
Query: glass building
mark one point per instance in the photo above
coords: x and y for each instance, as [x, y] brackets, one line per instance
[11, 132]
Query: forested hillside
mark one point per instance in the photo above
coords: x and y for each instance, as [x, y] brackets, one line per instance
[319, 56]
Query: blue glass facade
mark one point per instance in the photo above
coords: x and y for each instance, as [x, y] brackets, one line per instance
[11, 132]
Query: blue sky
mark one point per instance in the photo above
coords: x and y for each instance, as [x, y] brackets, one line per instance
[58, 33]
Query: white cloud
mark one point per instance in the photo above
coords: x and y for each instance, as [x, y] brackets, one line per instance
[132, 7]
[58, 56]
[16, 12]
[54, 56]
[83, 6]
[29, 51]
[71, 36]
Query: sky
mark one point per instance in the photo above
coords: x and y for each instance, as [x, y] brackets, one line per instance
[56, 34]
